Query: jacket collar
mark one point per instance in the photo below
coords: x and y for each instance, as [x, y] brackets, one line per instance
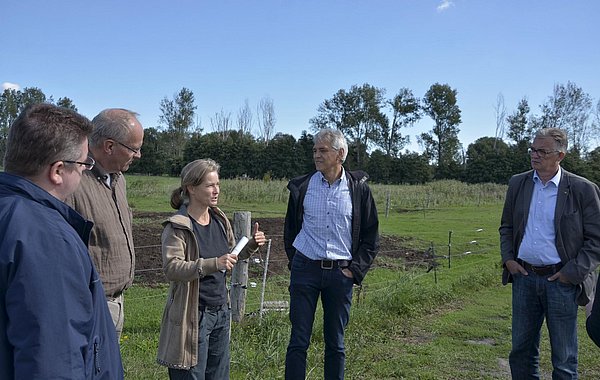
[181, 218]
[102, 175]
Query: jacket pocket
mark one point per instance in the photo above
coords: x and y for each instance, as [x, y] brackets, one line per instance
[175, 304]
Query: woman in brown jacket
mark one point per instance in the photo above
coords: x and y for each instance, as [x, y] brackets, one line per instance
[196, 245]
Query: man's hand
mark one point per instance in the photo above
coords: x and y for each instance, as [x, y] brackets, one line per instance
[347, 272]
[514, 267]
[560, 277]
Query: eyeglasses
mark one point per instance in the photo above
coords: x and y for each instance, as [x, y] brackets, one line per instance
[88, 164]
[541, 152]
[135, 151]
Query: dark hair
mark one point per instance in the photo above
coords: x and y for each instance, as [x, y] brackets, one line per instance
[41, 135]
[558, 135]
[192, 174]
[112, 123]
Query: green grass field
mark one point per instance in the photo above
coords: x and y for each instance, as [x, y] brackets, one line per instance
[448, 323]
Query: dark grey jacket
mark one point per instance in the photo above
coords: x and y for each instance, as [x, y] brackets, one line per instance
[576, 224]
[365, 223]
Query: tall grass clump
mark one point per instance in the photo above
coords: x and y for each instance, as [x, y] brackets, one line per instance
[445, 193]
[146, 193]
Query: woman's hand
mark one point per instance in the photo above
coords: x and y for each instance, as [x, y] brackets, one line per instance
[258, 238]
[226, 262]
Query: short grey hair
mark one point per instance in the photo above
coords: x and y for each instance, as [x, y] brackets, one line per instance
[112, 123]
[558, 135]
[333, 137]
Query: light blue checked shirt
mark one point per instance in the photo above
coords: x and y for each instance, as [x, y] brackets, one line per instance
[538, 246]
[326, 232]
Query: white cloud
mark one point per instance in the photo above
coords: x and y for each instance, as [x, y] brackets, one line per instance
[445, 4]
[10, 86]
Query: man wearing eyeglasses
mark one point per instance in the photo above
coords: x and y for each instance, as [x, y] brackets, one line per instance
[114, 143]
[331, 237]
[54, 321]
[550, 247]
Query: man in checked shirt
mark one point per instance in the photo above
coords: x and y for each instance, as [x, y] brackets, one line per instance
[331, 238]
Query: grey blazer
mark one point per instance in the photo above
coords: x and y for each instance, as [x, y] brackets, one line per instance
[576, 223]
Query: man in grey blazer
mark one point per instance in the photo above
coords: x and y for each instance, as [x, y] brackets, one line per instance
[550, 247]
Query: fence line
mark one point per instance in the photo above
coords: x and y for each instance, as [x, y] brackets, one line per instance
[422, 261]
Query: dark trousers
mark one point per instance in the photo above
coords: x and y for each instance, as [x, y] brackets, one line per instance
[213, 348]
[308, 281]
[534, 299]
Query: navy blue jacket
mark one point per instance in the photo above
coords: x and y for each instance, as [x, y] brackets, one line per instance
[365, 223]
[54, 320]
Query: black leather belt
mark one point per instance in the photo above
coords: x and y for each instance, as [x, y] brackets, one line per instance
[332, 264]
[543, 270]
[327, 264]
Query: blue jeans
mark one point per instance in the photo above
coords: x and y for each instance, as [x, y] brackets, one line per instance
[307, 282]
[533, 299]
[213, 348]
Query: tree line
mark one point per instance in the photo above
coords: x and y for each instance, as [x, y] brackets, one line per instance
[246, 145]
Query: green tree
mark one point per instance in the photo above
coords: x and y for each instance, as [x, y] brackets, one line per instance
[32, 95]
[66, 103]
[12, 102]
[238, 154]
[411, 168]
[154, 160]
[519, 130]
[570, 108]
[357, 113]
[9, 110]
[282, 157]
[441, 143]
[593, 162]
[305, 145]
[380, 167]
[406, 110]
[488, 160]
[575, 163]
[177, 119]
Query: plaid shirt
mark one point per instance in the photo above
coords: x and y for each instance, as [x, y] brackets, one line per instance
[327, 224]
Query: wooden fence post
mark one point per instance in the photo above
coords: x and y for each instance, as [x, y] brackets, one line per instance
[242, 226]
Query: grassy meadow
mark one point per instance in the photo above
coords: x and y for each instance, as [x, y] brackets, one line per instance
[451, 321]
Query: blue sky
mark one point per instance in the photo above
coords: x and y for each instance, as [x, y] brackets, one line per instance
[133, 53]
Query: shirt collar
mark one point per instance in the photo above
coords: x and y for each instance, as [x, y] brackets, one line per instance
[555, 180]
[341, 179]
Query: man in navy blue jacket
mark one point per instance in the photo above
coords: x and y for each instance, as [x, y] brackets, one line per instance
[54, 321]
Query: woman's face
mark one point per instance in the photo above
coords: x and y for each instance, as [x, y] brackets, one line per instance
[206, 194]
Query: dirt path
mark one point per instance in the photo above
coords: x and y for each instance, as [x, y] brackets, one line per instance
[147, 230]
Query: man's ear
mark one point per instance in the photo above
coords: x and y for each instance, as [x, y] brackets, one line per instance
[107, 146]
[56, 172]
[341, 154]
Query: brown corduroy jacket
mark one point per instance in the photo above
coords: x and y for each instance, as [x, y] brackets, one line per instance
[111, 239]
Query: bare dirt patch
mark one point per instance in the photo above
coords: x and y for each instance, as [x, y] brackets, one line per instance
[147, 230]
